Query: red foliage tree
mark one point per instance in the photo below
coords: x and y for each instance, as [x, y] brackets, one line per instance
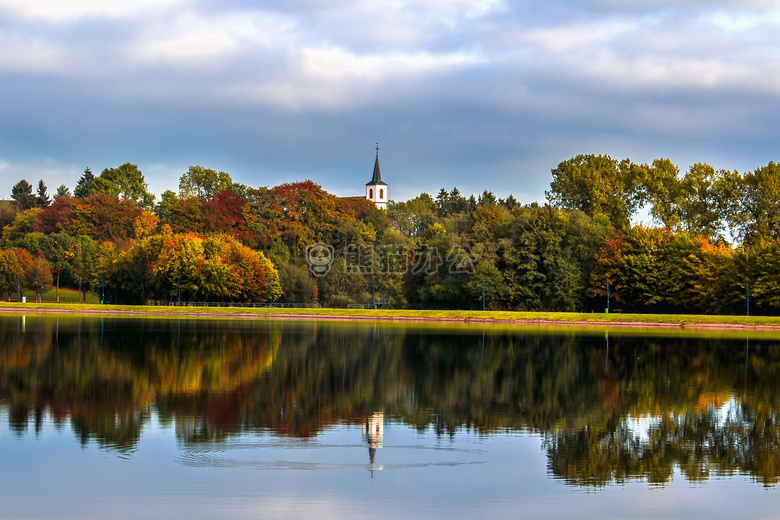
[55, 217]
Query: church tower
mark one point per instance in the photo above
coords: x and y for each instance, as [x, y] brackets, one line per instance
[376, 190]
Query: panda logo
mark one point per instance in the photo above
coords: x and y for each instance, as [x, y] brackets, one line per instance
[319, 257]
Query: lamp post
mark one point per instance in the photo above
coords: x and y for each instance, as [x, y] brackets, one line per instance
[747, 291]
[607, 288]
[373, 300]
[483, 291]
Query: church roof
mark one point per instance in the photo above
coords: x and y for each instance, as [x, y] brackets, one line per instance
[376, 180]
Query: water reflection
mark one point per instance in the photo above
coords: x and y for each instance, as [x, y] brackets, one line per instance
[609, 408]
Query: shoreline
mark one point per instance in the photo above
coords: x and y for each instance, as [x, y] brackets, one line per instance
[304, 316]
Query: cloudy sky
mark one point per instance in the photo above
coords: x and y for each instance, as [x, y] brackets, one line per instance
[478, 94]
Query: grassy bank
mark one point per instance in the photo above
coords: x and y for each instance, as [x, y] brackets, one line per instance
[413, 315]
[66, 296]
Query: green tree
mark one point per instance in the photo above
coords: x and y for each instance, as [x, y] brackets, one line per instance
[125, 181]
[754, 212]
[443, 203]
[167, 200]
[83, 266]
[702, 208]
[541, 271]
[457, 202]
[59, 252]
[298, 284]
[413, 217]
[62, 191]
[85, 185]
[203, 183]
[664, 191]
[22, 193]
[42, 198]
[598, 185]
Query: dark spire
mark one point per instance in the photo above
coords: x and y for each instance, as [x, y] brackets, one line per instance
[376, 180]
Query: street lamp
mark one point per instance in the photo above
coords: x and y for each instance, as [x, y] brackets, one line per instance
[747, 291]
[607, 288]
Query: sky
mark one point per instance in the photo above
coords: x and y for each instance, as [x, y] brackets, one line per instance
[478, 94]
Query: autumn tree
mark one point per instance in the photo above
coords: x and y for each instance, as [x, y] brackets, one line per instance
[8, 212]
[10, 273]
[40, 276]
[56, 216]
[184, 215]
[23, 223]
[104, 217]
[16, 271]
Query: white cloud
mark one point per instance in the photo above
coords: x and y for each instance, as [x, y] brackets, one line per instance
[28, 55]
[576, 36]
[59, 11]
[192, 38]
[333, 78]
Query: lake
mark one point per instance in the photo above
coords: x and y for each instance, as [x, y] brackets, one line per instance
[196, 418]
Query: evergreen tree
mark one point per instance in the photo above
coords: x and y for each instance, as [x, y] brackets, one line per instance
[62, 191]
[42, 200]
[85, 185]
[22, 193]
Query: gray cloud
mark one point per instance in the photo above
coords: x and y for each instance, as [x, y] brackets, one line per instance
[479, 95]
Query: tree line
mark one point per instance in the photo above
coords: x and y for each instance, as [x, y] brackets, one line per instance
[711, 245]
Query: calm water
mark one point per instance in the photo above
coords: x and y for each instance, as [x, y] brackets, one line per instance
[131, 418]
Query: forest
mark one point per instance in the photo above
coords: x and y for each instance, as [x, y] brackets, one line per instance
[711, 246]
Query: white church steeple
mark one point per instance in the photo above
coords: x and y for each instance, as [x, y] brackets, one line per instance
[376, 189]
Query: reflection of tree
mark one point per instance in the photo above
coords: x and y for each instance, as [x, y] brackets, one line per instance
[107, 374]
[639, 410]
[700, 444]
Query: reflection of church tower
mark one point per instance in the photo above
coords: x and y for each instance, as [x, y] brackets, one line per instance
[376, 190]
[373, 431]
